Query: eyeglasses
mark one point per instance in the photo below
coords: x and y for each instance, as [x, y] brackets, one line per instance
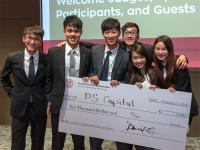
[36, 39]
[133, 33]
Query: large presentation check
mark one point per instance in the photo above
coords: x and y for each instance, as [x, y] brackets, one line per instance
[157, 119]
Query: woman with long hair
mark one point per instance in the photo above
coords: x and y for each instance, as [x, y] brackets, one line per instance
[170, 76]
[140, 70]
[141, 74]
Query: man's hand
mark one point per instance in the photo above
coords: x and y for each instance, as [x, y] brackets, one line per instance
[114, 83]
[153, 87]
[181, 62]
[139, 85]
[85, 78]
[49, 109]
[171, 89]
[61, 44]
[95, 80]
[188, 129]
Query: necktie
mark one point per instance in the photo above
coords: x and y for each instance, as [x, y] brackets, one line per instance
[164, 72]
[104, 72]
[31, 73]
[72, 72]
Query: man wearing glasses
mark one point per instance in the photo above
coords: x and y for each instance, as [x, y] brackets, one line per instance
[27, 90]
[131, 35]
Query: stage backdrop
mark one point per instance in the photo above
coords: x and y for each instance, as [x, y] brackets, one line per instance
[178, 19]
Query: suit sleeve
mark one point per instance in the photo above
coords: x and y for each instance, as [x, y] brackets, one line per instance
[49, 74]
[87, 45]
[47, 83]
[183, 83]
[182, 80]
[92, 71]
[149, 49]
[5, 76]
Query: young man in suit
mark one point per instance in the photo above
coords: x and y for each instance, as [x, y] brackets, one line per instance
[131, 35]
[27, 90]
[59, 68]
[109, 63]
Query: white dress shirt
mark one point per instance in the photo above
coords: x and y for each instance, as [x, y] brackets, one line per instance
[67, 60]
[146, 82]
[27, 61]
[111, 59]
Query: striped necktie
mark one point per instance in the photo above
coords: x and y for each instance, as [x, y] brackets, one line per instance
[104, 72]
[72, 72]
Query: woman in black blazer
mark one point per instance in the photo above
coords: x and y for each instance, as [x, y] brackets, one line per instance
[141, 74]
[170, 76]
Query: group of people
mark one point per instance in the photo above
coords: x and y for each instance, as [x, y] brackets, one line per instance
[38, 85]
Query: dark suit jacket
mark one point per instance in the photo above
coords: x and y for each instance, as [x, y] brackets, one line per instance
[56, 73]
[120, 65]
[181, 80]
[148, 47]
[21, 89]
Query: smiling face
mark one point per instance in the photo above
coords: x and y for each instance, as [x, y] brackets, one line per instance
[32, 42]
[138, 60]
[72, 35]
[161, 52]
[111, 38]
[130, 36]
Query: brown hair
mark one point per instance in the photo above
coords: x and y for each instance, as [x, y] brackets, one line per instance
[167, 82]
[73, 21]
[129, 25]
[134, 73]
[109, 24]
[34, 29]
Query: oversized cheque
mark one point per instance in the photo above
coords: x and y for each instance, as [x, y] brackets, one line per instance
[126, 113]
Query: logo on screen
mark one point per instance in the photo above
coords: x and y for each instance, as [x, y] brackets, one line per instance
[69, 83]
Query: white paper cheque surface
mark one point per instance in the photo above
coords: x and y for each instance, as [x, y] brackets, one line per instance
[157, 119]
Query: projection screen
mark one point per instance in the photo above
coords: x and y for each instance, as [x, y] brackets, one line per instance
[177, 19]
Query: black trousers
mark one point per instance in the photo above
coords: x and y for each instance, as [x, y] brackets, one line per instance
[58, 138]
[137, 147]
[19, 128]
[96, 144]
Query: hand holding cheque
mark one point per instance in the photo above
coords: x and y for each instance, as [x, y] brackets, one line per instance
[126, 113]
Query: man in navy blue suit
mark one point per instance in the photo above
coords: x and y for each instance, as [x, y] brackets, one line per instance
[109, 63]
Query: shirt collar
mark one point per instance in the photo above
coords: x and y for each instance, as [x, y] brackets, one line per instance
[128, 49]
[68, 49]
[114, 50]
[27, 55]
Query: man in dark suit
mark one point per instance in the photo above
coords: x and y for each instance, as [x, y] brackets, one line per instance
[109, 63]
[27, 90]
[131, 35]
[59, 68]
